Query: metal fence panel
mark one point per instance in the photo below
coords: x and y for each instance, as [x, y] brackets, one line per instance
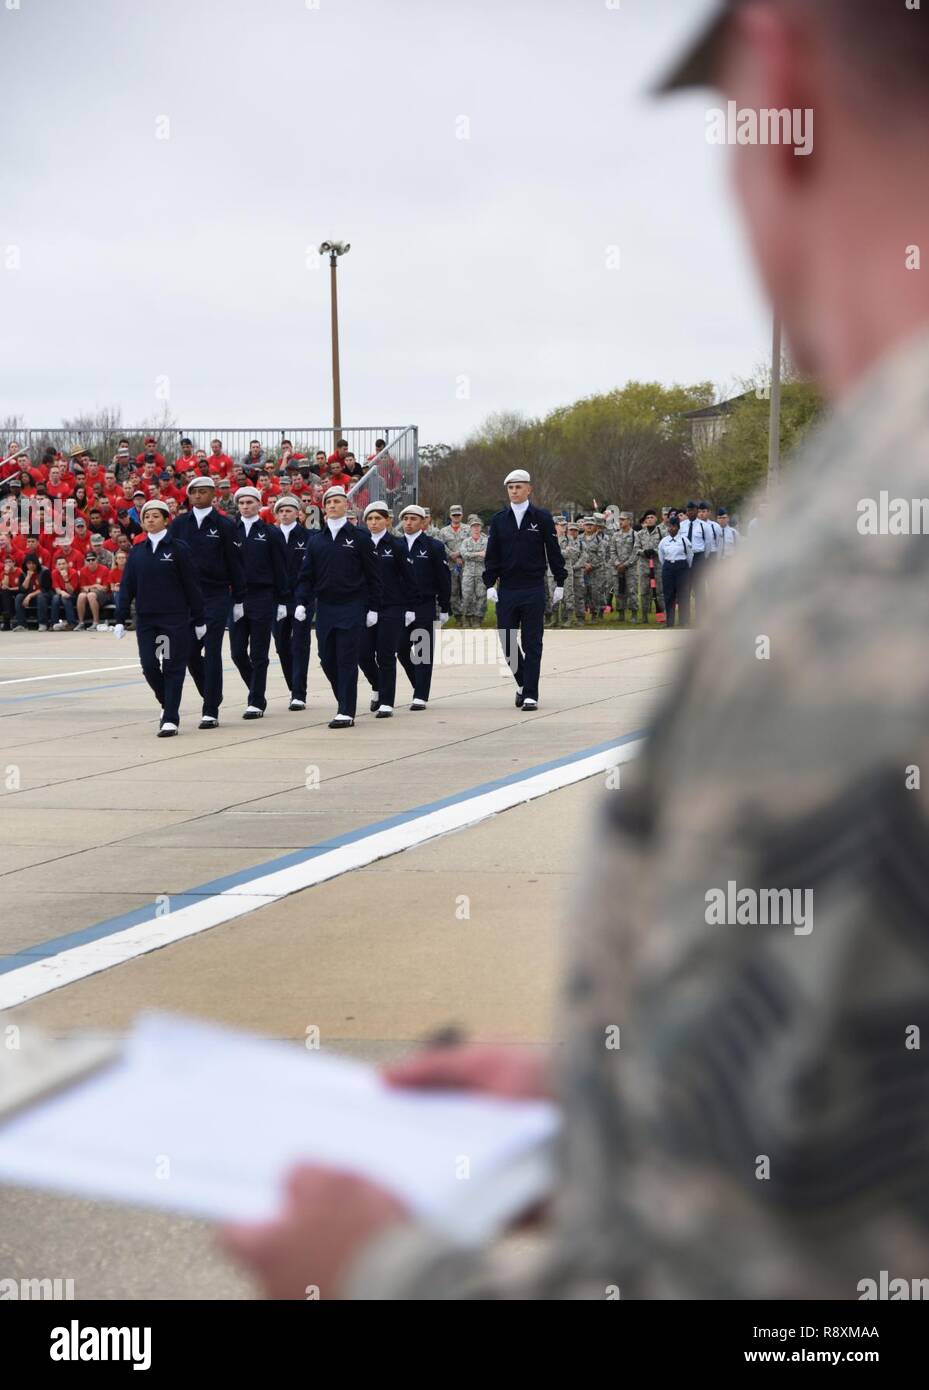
[393, 474]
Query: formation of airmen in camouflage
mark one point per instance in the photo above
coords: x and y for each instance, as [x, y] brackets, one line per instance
[612, 565]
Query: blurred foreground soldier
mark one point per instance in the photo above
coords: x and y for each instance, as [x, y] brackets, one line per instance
[625, 584]
[160, 575]
[292, 639]
[473, 593]
[340, 575]
[380, 643]
[267, 588]
[648, 566]
[762, 1132]
[520, 542]
[428, 583]
[676, 556]
[211, 538]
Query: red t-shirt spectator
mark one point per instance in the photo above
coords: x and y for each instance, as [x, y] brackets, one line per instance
[220, 465]
[62, 583]
[159, 460]
[94, 576]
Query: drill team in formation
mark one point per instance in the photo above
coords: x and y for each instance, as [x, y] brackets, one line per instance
[378, 594]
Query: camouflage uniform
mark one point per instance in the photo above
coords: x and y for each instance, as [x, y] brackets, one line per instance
[564, 613]
[597, 586]
[473, 592]
[625, 585]
[577, 576]
[762, 1132]
[646, 547]
[452, 540]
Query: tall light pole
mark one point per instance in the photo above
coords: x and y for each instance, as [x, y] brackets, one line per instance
[335, 250]
[774, 426]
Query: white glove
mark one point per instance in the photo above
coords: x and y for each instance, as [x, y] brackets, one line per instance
[299, 614]
[281, 612]
[443, 619]
[238, 611]
[371, 619]
[119, 631]
[408, 618]
[200, 632]
[558, 595]
[491, 596]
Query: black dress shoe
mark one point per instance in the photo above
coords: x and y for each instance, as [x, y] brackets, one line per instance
[384, 714]
[519, 699]
[374, 705]
[209, 721]
[253, 713]
[341, 723]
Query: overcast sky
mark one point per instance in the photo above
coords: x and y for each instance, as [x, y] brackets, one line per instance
[480, 275]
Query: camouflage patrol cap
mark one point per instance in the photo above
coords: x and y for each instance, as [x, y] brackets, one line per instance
[697, 66]
[474, 520]
[626, 516]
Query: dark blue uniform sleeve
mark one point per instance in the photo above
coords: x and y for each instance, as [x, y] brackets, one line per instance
[371, 572]
[553, 550]
[443, 575]
[187, 573]
[492, 556]
[305, 591]
[400, 551]
[279, 565]
[127, 588]
[234, 563]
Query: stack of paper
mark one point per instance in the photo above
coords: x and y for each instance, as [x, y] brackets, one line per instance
[202, 1120]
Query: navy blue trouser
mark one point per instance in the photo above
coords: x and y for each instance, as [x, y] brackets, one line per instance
[520, 625]
[378, 656]
[675, 581]
[292, 640]
[205, 658]
[250, 643]
[163, 652]
[416, 649]
[339, 627]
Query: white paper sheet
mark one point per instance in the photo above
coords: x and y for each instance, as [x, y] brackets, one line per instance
[199, 1119]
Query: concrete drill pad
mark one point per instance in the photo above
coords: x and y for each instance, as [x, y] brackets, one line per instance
[374, 959]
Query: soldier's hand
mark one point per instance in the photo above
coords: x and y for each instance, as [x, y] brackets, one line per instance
[558, 595]
[119, 631]
[300, 613]
[238, 611]
[200, 631]
[443, 619]
[371, 618]
[492, 595]
[408, 618]
[281, 612]
[518, 1073]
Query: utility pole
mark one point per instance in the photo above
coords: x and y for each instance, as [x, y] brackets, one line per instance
[335, 250]
[774, 427]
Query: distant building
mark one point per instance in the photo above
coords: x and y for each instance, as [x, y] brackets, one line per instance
[711, 422]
